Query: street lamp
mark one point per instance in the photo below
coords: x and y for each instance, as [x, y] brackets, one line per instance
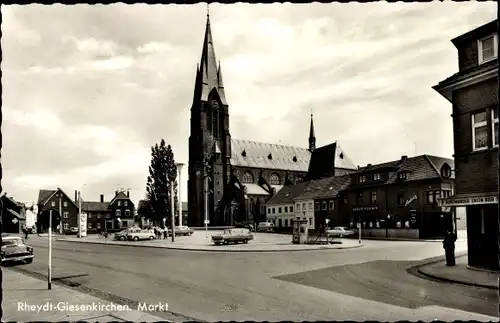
[59, 196]
[387, 226]
[359, 230]
[179, 198]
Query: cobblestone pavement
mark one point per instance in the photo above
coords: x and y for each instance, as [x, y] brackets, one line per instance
[369, 283]
[201, 241]
[27, 299]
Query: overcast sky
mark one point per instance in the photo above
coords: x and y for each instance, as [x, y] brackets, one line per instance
[87, 89]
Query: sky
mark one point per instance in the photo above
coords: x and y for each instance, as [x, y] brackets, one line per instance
[88, 89]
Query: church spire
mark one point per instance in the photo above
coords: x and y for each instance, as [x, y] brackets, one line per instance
[210, 72]
[312, 137]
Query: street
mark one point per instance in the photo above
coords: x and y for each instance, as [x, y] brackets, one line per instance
[369, 283]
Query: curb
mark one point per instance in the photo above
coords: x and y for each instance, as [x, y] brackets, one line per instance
[447, 280]
[211, 250]
[396, 239]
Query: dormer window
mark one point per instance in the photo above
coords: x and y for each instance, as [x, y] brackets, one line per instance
[294, 159]
[362, 179]
[488, 48]
[341, 155]
[376, 177]
[402, 175]
[244, 153]
[270, 156]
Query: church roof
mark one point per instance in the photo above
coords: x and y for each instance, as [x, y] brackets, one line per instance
[254, 154]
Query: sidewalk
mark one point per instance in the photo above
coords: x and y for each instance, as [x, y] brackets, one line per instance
[20, 291]
[263, 242]
[460, 273]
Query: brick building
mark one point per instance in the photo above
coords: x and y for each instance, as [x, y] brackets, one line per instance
[13, 215]
[473, 92]
[230, 178]
[399, 198]
[64, 211]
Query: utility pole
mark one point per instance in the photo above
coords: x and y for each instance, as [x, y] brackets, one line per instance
[79, 215]
[50, 252]
[172, 211]
[359, 230]
[60, 214]
[206, 206]
[179, 168]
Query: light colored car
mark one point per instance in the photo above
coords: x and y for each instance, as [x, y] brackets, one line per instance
[265, 226]
[340, 232]
[122, 235]
[181, 231]
[233, 236]
[137, 235]
[14, 250]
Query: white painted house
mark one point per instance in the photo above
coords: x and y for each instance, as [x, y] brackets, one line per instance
[280, 209]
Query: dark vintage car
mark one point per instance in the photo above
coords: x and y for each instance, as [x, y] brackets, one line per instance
[235, 235]
[14, 250]
[181, 231]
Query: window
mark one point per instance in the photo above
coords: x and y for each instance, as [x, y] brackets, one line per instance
[488, 49]
[274, 210]
[53, 203]
[402, 175]
[279, 210]
[310, 221]
[268, 210]
[286, 222]
[430, 197]
[373, 197]
[65, 204]
[89, 216]
[127, 213]
[98, 225]
[316, 206]
[65, 226]
[247, 178]
[479, 131]
[401, 199]
[66, 215]
[437, 195]
[280, 223]
[98, 215]
[446, 193]
[124, 224]
[298, 207]
[330, 205]
[376, 177]
[362, 179]
[494, 126]
[304, 207]
[89, 226]
[286, 209]
[118, 213]
[323, 206]
[291, 209]
[311, 206]
[125, 203]
[274, 179]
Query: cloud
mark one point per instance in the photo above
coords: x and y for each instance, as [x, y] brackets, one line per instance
[84, 97]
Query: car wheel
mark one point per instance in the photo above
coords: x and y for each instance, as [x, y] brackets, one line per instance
[151, 238]
[245, 241]
[123, 238]
[226, 242]
[217, 243]
[29, 261]
[136, 238]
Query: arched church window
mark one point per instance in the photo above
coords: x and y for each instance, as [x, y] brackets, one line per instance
[247, 178]
[274, 179]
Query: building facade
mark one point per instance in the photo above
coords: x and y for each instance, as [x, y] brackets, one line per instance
[63, 208]
[114, 215]
[399, 198]
[230, 180]
[13, 215]
[473, 93]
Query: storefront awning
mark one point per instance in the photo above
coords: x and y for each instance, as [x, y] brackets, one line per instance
[469, 199]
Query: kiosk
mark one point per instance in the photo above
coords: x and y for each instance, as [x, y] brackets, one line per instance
[300, 231]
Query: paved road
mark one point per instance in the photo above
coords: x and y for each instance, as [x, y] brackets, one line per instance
[368, 283]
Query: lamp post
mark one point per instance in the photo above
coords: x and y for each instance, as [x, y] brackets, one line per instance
[59, 195]
[359, 230]
[172, 211]
[206, 206]
[387, 226]
[49, 275]
[179, 197]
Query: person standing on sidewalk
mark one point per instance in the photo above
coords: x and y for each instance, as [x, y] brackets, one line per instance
[449, 247]
[25, 231]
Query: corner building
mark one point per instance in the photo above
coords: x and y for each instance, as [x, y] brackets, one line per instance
[473, 93]
[230, 180]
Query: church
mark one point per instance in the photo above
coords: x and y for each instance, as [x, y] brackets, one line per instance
[230, 180]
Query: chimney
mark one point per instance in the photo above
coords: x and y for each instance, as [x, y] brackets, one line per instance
[76, 196]
[128, 194]
[116, 193]
[403, 157]
[102, 198]
[369, 165]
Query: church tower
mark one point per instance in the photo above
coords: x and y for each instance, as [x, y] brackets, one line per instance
[312, 137]
[209, 140]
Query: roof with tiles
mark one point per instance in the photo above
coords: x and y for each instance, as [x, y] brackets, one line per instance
[254, 154]
[287, 194]
[89, 206]
[43, 195]
[326, 187]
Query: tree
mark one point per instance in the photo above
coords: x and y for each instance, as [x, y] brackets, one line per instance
[145, 209]
[162, 174]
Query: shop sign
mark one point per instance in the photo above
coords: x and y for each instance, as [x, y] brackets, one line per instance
[411, 199]
[457, 201]
[365, 208]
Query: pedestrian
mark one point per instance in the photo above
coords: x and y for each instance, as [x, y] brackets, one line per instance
[449, 247]
[165, 233]
[25, 231]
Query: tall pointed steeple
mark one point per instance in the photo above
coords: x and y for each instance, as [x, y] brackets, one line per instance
[312, 137]
[210, 73]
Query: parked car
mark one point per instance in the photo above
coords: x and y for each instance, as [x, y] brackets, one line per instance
[15, 250]
[340, 232]
[266, 227]
[181, 231]
[141, 235]
[122, 235]
[233, 236]
[72, 230]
